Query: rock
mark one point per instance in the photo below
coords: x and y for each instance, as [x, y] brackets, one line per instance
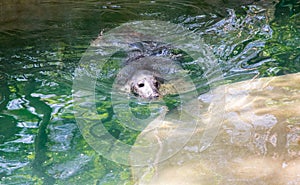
[255, 140]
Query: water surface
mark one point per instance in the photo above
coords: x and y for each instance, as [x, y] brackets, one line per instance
[42, 43]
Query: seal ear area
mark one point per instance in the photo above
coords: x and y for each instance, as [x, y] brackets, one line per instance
[159, 79]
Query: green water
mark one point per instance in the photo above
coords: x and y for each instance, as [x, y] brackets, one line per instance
[42, 42]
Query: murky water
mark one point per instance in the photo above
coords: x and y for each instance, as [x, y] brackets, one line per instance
[42, 43]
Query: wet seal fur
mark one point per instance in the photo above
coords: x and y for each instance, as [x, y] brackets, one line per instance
[144, 77]
[145, 68]
[145, 84]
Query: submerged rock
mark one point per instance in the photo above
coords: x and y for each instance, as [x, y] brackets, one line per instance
[257, 138]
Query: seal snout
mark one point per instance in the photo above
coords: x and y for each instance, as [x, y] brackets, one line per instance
[146, 85]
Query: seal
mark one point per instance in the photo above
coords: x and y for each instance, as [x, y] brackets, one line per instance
[145, 85]
[144, 67]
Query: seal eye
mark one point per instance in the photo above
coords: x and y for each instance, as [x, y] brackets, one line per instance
[156, 84]
[141, 84]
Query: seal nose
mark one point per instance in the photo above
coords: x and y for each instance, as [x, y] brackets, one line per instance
[155, 95]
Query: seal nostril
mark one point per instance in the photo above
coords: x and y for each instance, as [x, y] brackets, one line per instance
[156, 95]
